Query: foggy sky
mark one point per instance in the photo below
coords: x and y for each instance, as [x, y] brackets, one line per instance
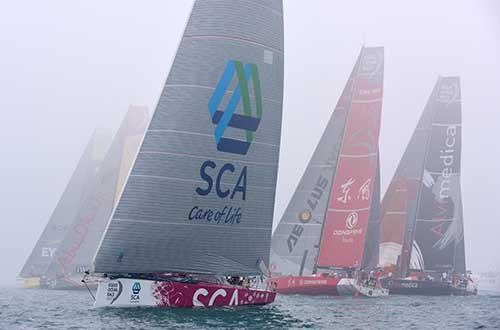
[67, 67]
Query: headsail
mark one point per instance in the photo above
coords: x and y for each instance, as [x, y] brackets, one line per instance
[344, 232]
[422, 225]
[79, 185]
[295, 242]
[81, 240]
[398, 210]
[200, 196]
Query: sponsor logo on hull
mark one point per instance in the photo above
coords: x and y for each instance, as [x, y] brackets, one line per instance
[175, 294]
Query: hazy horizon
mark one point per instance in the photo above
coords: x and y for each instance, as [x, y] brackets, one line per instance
[69, 67]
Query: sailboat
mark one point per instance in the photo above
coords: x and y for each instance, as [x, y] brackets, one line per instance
[422, 235]
[327, 231]
[79, 244]
[192, 226]
[81, 182]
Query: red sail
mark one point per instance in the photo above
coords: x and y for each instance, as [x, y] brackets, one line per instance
[346, 222]
[393, 223]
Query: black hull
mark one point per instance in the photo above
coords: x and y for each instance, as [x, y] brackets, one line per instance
[422, 288]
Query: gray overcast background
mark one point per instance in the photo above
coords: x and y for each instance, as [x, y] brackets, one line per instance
[69, 66]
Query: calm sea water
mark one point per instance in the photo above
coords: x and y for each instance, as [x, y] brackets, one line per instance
[40, 309]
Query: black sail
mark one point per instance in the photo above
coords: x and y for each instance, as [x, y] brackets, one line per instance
[439, 224]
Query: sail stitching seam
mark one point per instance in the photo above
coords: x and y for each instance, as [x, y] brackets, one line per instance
[201, 36]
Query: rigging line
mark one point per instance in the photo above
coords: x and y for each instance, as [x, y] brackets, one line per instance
[84, 282]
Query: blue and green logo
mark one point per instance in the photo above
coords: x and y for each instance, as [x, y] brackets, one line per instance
[228, 118]
[136, 288]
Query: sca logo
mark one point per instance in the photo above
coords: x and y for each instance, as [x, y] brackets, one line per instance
[247, 75]
[136, 288]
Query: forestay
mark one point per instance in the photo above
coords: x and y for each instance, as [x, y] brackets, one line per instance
[200, 196]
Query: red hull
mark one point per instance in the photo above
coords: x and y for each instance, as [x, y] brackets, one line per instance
[307, 285]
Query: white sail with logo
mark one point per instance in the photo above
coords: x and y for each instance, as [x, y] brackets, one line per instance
[200, 196]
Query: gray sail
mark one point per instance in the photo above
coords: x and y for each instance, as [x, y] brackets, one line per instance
[294, 245]
[200, 196]
[371, 253]
[80, 243]
[71, 200]
[439, 227]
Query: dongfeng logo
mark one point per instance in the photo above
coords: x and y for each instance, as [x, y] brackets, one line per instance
[136, 288]
[351, 223]
[228, 117]
[352, 220]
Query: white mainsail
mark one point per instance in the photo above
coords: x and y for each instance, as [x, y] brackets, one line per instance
[200, 196]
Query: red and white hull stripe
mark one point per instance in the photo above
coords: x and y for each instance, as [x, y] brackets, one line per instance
[125, 292]
[315, 285]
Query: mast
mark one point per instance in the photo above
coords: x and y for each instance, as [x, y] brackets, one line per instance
[80, 242]
[343, 239]
[295, 242]
[79, 185]
[200, 196]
